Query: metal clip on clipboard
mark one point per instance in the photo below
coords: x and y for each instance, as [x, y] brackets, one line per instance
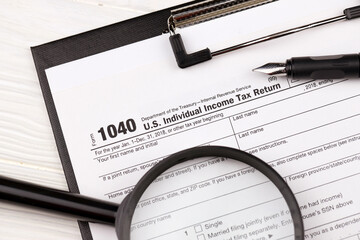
[210, 9]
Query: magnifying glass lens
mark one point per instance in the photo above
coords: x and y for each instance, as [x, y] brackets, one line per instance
[212, 198]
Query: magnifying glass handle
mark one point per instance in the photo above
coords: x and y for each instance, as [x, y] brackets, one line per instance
[76, 205]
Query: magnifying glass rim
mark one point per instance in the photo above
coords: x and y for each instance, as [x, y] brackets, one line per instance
[127, 207]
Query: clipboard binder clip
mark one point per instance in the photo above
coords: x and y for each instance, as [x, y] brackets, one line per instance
[198, 13]
[211, 9]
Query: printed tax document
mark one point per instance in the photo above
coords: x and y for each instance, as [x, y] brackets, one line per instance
[124, 110]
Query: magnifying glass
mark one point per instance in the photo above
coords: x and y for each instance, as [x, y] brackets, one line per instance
[201, 193]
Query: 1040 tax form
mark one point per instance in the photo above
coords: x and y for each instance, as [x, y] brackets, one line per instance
[124, 110]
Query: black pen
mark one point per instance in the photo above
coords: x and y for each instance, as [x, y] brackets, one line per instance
[325, 67]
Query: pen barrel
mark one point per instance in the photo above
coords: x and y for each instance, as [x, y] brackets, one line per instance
[327, 67]
[70, 204]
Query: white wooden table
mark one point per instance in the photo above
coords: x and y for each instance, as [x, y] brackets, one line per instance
[27, 146]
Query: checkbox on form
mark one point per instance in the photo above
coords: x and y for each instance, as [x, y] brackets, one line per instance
[201, 237]
[198, 228]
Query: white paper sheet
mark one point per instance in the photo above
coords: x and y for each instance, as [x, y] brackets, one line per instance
[309, 132]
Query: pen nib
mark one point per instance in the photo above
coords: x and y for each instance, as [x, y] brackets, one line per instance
[272, 69]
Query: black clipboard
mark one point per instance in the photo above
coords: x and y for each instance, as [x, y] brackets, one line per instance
[86, 44]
